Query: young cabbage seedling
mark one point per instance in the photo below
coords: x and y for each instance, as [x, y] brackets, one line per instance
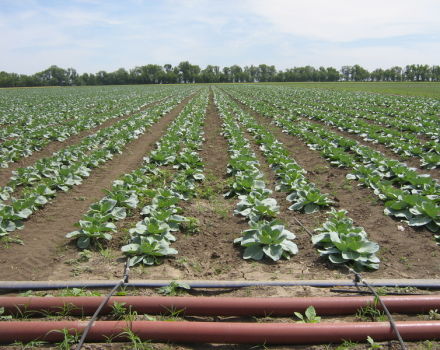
[309, 316]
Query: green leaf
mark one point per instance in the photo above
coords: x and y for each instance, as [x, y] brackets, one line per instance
[290, 247]
[310, 313]
[199, 176]
[311, 208]
[299, 315]
[419, 220]
[336, 259]
[24, 213]
[130, 248]
[83, 242]
[135, 260]
[254, 252]
[275, 252]
[433, 226]
[119, 213]
[73, 234]
[296, 206]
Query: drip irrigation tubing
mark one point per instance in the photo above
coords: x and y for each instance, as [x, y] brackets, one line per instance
[9, 286]
[103, 303]
[379, 300]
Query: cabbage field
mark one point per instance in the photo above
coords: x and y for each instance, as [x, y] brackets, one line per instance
[232, 182]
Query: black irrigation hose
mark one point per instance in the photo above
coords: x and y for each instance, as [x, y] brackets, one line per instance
[358, 278]
[348, 291]
[103, 303]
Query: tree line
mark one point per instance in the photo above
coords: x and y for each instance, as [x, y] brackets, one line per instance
[185, 72]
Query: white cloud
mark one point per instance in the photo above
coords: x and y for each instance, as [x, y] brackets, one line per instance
[79, 17]
[92, 35]
[370, 57]
[349, 20]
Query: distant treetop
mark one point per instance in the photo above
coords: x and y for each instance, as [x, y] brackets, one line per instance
[185, 72]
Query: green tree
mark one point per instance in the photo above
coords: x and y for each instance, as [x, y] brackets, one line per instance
[359, 73]
[187, 72]
[333, 74]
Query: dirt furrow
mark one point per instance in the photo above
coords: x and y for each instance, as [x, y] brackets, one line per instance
[210, 253]
[398, 256]
[55, 146]
[306, 264]
[44, 233]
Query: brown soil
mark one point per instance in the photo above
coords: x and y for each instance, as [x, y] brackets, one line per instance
[48, 150]
[44, 232]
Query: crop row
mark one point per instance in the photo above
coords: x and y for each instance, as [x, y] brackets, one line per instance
[338, 239]
[68, 167]
[32, 107]
[406, 144]
[151, 237]
[28, 138]
[406, 193]
[267, 235]
[414, 114]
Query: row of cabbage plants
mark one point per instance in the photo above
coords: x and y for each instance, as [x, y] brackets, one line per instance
[23, 139]
[406, 144]
[304, 195]
[407, 194]
[267, 235]
[338, 239]
[415, 114]
[38, 184]
[152, 236]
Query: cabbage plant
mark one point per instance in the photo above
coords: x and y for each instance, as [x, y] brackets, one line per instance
[269, 239]
[341, 242]
[147, 250]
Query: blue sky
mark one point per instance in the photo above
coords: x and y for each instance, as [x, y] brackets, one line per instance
[93, 35]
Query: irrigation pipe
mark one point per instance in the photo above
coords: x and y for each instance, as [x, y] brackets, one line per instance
[358, 278]
[217, 306]
[221, 332]
[367, 292]
[10, 286]
[102, 304]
